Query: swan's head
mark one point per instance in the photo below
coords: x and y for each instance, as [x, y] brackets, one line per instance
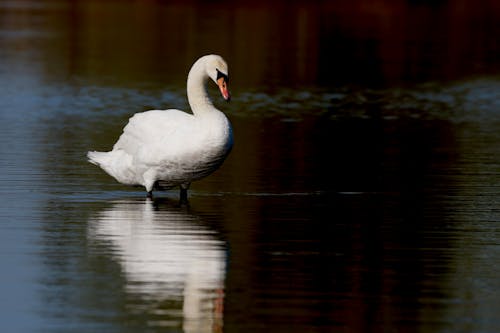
[217, 70]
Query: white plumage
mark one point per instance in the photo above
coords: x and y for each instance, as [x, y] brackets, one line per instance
[167, 148]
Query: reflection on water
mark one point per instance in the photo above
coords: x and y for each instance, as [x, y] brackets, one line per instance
[170, 260]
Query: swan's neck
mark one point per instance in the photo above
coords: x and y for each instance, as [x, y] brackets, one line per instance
[196, 89]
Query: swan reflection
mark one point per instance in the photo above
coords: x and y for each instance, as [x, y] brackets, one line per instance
[171, 260]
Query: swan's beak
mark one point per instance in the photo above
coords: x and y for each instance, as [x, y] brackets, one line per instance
[222, 83]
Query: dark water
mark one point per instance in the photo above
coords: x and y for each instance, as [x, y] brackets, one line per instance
[362, 193]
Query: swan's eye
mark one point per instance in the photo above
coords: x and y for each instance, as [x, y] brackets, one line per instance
[221, 75]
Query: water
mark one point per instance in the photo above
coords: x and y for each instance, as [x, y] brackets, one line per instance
[361, 194]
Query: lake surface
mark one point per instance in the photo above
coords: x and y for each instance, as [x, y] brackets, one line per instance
[362, 193]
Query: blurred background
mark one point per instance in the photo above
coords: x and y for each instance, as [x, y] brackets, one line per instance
[297, 43]
[361, 194]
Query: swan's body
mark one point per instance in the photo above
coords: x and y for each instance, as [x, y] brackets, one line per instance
[166, 148]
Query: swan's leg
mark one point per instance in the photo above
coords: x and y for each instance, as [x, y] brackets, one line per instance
[150, 195]
[184, 193]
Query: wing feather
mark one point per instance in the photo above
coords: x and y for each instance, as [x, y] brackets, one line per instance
[154, 135]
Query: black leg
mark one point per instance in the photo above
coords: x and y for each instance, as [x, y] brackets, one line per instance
[150, 195]
[184, 196]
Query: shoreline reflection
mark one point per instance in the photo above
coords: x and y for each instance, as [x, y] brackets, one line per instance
[172, 263]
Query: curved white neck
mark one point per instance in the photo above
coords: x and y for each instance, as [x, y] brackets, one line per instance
[196, 89]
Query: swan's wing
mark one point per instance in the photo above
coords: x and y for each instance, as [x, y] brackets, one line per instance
[150, 135]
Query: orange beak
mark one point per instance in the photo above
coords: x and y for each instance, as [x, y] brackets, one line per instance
[221, 82]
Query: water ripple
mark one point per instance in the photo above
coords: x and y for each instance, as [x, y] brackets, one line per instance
[467, 101]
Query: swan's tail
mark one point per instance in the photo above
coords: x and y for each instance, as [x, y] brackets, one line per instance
[93, 157]
[96, 157]
[116, 163]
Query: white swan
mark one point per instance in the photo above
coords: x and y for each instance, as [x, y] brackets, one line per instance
[166, 148]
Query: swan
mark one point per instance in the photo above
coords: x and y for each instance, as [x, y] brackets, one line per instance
[161, 149]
